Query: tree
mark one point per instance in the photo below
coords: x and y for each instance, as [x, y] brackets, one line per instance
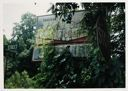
[18, 80]
[104, 24]
[23, 38]
[99, 23]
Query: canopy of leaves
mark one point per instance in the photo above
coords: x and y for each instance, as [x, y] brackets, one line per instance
[101, 73]
[62, 70]
[18, 80]
[19, 59]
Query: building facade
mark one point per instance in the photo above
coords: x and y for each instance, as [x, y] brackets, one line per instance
[61, 34]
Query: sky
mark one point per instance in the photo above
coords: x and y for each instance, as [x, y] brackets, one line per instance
[12, 12]
[13, 9]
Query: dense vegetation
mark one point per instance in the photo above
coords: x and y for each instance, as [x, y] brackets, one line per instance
[62, 70]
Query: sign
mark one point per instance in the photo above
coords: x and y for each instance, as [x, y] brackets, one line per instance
[12, 47]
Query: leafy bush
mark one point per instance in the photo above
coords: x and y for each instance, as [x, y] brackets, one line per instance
[20, 80]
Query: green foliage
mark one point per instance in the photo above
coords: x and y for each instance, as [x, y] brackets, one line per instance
[98, 72]
[24, 36]
[44, 36]
[57, 70]
[62, 70]
[20, 58]
[5, 40]
[64, 10]
[19, 80]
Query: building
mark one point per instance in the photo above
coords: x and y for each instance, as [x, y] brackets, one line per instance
[60, 34]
